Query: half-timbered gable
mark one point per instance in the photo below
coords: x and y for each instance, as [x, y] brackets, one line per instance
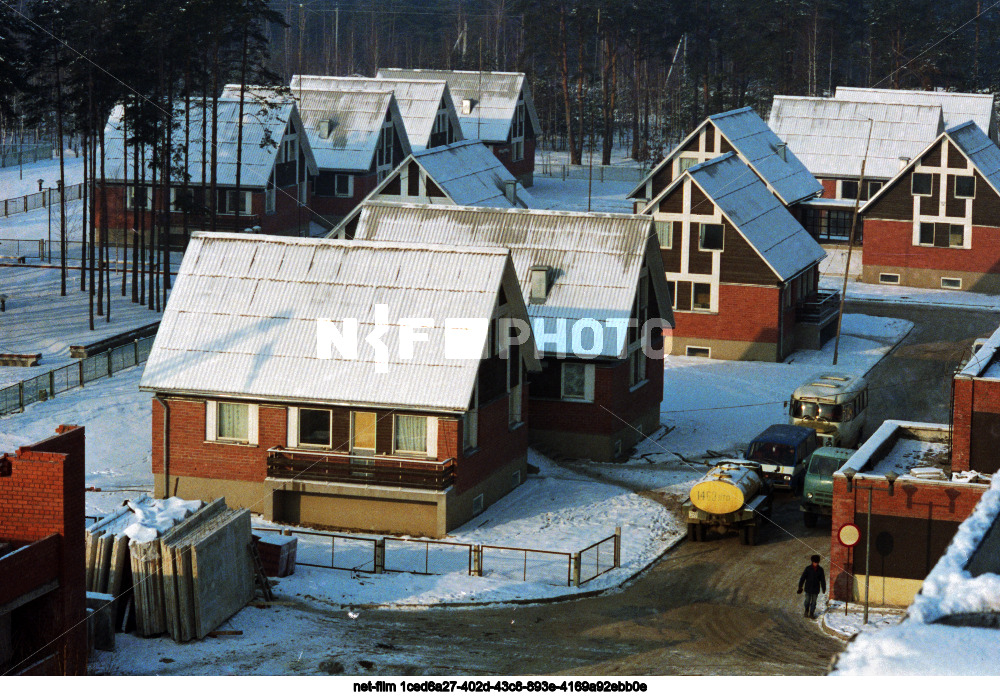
[264, 393]
[937, 223]
[743, 132]
[583, 277]
[739, 266]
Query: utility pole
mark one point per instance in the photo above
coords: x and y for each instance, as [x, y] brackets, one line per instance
[850, 243]
[336, 40]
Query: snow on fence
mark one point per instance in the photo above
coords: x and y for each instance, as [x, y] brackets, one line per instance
[600, 172]
[46, 385]
[39, 199]
[429, 557]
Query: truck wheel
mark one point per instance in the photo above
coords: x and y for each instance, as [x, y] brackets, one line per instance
[809, 519]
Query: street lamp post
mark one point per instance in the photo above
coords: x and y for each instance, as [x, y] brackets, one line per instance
[891, 477]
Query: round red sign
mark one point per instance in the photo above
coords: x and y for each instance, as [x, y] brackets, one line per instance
[849, 534]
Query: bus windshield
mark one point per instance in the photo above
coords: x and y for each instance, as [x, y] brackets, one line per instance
[812, 411]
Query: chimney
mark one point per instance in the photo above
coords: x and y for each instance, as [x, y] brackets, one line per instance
[466, 107]
[782, 151]
[324, 128]
[510, 191]
[903, 161]
[539, 284]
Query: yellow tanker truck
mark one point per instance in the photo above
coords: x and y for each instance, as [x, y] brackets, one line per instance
[733, 495]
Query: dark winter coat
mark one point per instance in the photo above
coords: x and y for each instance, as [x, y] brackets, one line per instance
[813, 579]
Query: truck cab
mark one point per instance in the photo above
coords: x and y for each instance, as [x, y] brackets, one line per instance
[817, 484]
[782, 450]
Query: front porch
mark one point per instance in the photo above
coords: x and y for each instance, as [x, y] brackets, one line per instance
[816, 319]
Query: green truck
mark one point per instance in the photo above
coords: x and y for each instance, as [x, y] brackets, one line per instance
[817, 483]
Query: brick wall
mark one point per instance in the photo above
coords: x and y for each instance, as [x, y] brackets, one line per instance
[615, 405]
[922, 502]
[502, 151]
[497, 443]
[890, 243]
[746, 313]
[829, 188]
[42, 501]
[976, 424]
[336, 207]
[961, 436]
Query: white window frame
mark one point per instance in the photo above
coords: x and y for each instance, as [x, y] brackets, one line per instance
[883, 278]
[349, 178]
[913, 178]
[588, 383]
[298, 425]
[658, 225]
[689, 351]
[130, 196]
[470, 429]
[636, 368]
[478, 505]
[212, 424]
[957, 286]
[955, 186]
[228, 197]
[701, 236]
[711, 296]
[517, 130]
[693, 162]
[270, 199]
[430, 436]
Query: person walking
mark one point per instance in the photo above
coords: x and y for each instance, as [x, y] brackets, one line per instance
[814, 582]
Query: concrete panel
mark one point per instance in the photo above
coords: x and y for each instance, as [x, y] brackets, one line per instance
[887, 592]
[223, 573]
[382, 515]
[727, 350]
[599, 448]
[931, 278]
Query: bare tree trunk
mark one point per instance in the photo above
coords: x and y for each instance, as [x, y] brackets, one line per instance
[62, 181]
[213, 194]
[564, 74]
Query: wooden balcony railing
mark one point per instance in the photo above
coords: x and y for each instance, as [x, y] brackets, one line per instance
[306, 465]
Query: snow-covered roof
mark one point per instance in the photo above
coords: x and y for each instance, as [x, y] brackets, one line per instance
[265, 120]
[764, 151]
[467, 173]
[356, 120]
[956, 107]
[596, 259]
[243, 313]
[494, 97]
[755, 212]
[831, 135]
[418, 100]
[984, 362]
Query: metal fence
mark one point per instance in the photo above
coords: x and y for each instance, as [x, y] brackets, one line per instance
[26, 154]
[22, 248]
[45, 386]
[39, 199]
[429, 557]
[599, 172]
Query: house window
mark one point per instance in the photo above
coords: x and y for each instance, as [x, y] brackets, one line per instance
[711, 237]
[849, 189]
[517, 134]
[144, 199]
[470, 429]
[873, 188]
[685, 163]
[951, 283]
[921, 184]
[314, 427]
[965, 187]
[270, 199]
[343, 185]
[672, 287]
[636, 367]
[698, 352]
[664, 233]
[702, 296]
[411, 435]
[514, 406]
[927, 233]
[233, 421]
[228, 202]
[577, 382]
[477, 505]
[181, 199]
[888, 278]
[956, 235]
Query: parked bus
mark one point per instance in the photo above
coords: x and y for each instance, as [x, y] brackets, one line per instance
[835, 405]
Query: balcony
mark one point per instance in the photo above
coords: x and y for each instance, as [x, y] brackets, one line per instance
[377, 470]
[818, 308]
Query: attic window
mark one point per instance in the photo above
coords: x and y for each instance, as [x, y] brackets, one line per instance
[539, 284]
[965, 187]
[467, 106]
[324, 128]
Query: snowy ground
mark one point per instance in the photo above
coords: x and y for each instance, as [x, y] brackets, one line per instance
[39, 320]
[852, 622]
[620, 155]
[606, 197]
[901, 294]
[13, 183]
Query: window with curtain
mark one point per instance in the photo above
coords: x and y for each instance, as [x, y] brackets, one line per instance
[411, 434]
[233, 422]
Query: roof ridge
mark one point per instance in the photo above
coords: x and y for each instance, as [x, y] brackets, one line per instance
[347, 243]
[645, 219]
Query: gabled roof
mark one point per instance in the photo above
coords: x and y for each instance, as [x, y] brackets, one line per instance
[418, 100]
[762, 150]
[596, 258]
[468, 174]
[755, 212]
[493, 94]
[830, 135]
[242, 320]
[264, 124]
[982, 152]
[356, 120]
[956, 107]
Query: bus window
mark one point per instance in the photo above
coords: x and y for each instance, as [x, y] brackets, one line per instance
[829, 412]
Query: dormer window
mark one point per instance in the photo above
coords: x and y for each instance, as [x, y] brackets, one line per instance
[466, 107]
[539, 284]
[324, 128]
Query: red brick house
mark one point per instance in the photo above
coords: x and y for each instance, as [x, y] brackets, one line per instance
[255, 400]
[742, 271]
[43, 590]
[744, 133]
[976, 411]
[464, 173]
[358, 137]
[276, 166]
[936, 223]
[906, 472]
[584, 278]
[495, 107]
